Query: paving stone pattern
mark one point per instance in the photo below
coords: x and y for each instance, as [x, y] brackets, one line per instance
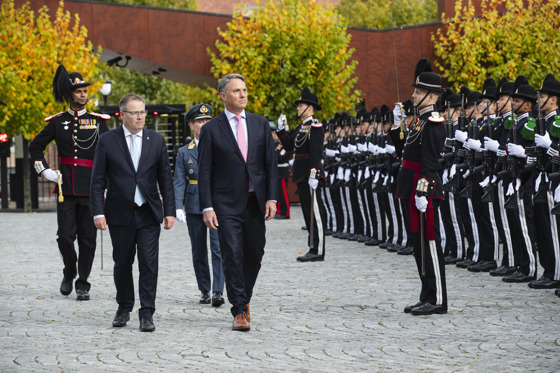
[341, 315]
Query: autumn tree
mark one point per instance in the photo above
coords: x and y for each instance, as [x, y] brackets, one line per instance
[379, 14]
[523, 39]
[281, 47]
[31, 47]
[172, 4]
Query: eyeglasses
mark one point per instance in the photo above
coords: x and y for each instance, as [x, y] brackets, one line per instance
[137, 113]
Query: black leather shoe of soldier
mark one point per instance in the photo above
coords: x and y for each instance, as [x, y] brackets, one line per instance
[483, 266]
[410, 307]
[450, 259]
[373, 242]
[353, 237]
[518, 277]
[310, 257]
[385, 245]
[544, 283]
[328, 232]
[428, 309]
[406, 251]
[394, 248]
[343, 236]
[503, 271]
[82, 294]
[217, 299]
[66, 286]
[465, 263]
[121, 317]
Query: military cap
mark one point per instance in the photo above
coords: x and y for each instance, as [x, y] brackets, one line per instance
[309, 98]
[505, 87]
[451, 98]
[551, 86]
[200, 111]
[489, 89]
[408, 107]
[473, 97]
[522, 89]
[375, 115]
[64, 83]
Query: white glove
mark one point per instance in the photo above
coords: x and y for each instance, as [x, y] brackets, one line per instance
[466, 174]
[347, 174]
[362, 147]
[466, 145]
[367, 174]
[331, 153]
[557, 194]
[538, 182]
[494, 178]
[517, 184]
[381, 150]
[510, 189]
[281, 121]
[372, 148]
[313, 183]
[445, 176]
[344, 149]
[180, 215]
[352, 148]
[421, 203]
[543, 141]
[390, 149]
[291, 162]
[340, 173]
[51, 175]
[474, 144]
[376, 177]
[460, 136]
[360, 173]
[516, 150]
[397, 112]
[452, 171]
[386, 179]
[485, 182]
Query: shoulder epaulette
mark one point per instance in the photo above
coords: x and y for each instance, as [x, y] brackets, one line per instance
[528, 130]
[435, 117]
[102, 116]
[191, 145]
[48, 119]
[554, 129]
[316, 124]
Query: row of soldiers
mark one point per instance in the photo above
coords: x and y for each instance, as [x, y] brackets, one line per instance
[501, 172]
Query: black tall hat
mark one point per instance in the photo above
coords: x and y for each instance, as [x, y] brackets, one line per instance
[375, 115]
[360, 114]
[505, 87]
[473, 97]
[489, 89]
[451, 98]
[522, 89]
[425, 78]
[551, 86]
[64, 84]
[309, 98]
[386, 114]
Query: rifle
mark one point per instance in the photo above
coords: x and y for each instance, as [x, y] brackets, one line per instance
[460, 152]
[380, 160]
[513, 169]
[488, 161]
[538, 165]
[466, 192]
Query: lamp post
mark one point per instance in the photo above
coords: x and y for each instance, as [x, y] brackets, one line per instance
[106, 91]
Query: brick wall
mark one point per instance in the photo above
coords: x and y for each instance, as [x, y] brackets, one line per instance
[227, 6]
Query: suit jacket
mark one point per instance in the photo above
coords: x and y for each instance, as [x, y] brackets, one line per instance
[186, 169]
[113, 169]
[223, 174]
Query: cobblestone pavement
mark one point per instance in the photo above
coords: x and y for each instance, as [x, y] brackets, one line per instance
[344, 314]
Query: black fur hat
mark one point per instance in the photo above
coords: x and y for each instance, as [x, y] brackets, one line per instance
[64, 84]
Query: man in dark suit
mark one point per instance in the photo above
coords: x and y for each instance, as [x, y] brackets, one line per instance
[238, 187]
[131, 162]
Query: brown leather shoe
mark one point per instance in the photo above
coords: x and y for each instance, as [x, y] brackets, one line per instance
[240, 323]
[248, 313]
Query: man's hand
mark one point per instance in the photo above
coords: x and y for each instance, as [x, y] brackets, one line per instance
[270, 210]
[168, 222]
[51, 175]
[210, 219]
[516, 150]
[100, 223]
[491, 145]
[180, 215]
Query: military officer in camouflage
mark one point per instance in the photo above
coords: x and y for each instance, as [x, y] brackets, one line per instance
[76, 133]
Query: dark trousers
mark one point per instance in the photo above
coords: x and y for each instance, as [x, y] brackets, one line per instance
[142, 236]
[198, 235]
[486, 225]
[337, 215]
[74, 219]
[283, 199]
[307, 203]
[453, 224]
[242, 239]
[434, 289]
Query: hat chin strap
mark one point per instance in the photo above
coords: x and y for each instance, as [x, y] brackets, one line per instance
[503, 107]
[519, 107]
[422, 100]
[303, 112]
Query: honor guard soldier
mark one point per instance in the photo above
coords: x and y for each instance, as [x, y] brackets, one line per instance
[76, 133]
[420, 183]
[307, 143]
[185, 183]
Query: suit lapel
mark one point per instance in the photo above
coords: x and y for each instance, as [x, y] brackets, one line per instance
[123, 145]
[146, 146]
[251, 131]
[227, 132]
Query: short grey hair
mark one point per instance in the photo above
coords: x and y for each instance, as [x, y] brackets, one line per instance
[123, 103]
[223, 85]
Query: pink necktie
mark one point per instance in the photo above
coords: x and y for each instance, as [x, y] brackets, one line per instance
[241, 141]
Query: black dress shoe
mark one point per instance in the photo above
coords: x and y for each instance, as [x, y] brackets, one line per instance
[465, 263]
[410, 307]
[385, 245]
[205, 297]
[406, 251]
[518, 277]
[428, 309]
[362, 238]
[121, 317]
[503, 271]
[66, 286]
[217, 299]
[147, 324]
[450, 259]
[483, 266]
[310, 257]
[328, 232]
[353, 237]
[82, 294]
[557, 292]
[343, 236]
[373, 242]
[304, 228]
[281, 217]
[544, 283]
[394, 248]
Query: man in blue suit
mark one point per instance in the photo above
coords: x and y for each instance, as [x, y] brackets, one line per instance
[238, 187]
[186, 177]
[131, 162]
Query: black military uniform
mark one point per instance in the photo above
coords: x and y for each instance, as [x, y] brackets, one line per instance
[419, 178]
[76, 133]
[307, 143]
